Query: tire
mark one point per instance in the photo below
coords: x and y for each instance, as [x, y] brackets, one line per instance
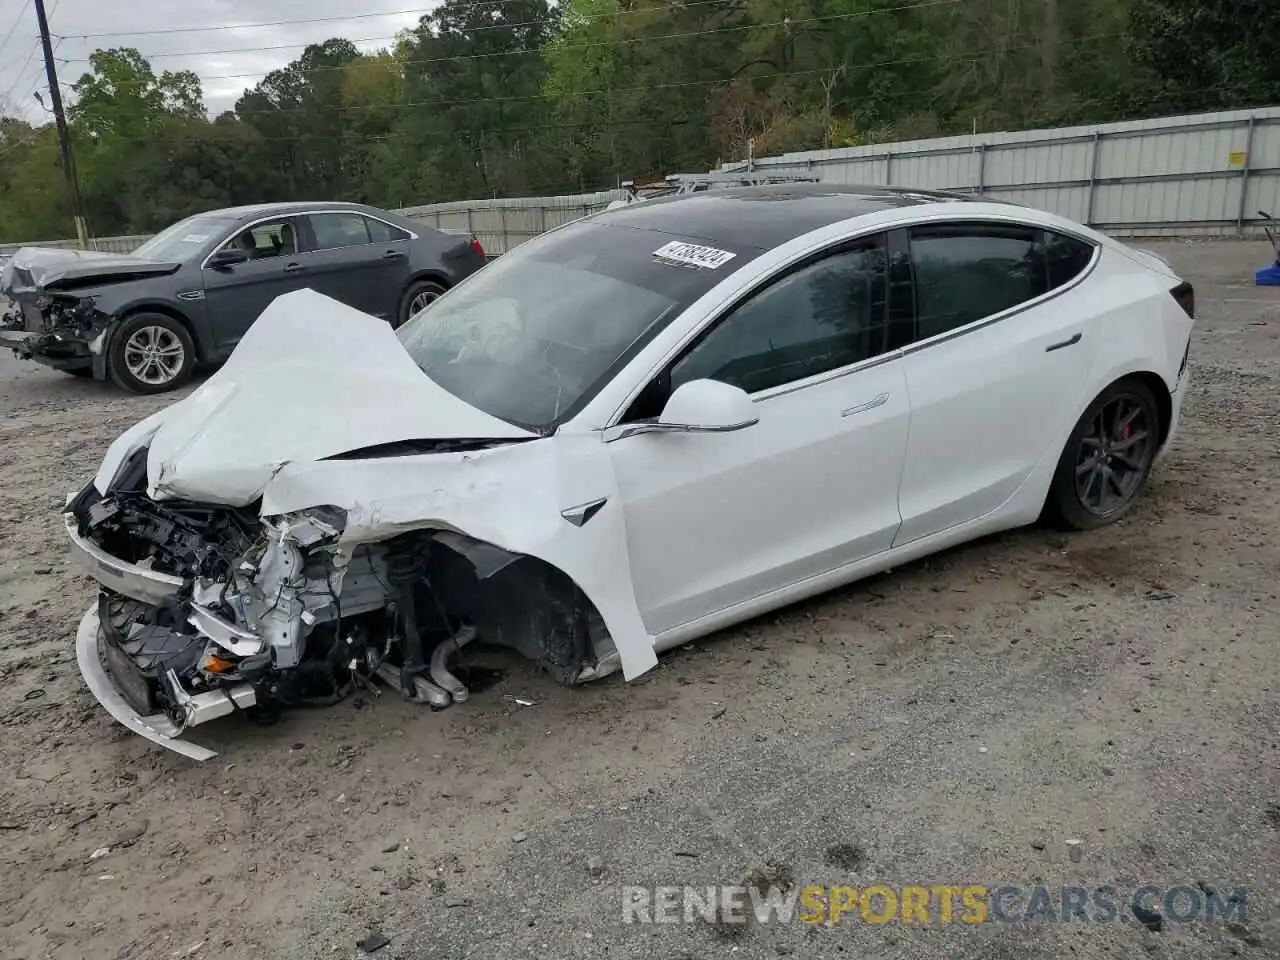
[1107, 459]
[168, 368]
[414, 295]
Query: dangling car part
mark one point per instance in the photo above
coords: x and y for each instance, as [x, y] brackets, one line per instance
[630, 432]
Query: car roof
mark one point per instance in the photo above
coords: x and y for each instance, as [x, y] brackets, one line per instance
[765, 216]
[254, 210]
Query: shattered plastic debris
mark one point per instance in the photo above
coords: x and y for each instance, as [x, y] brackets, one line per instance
[518, 702]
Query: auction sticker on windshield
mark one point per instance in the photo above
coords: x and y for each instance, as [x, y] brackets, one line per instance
[693, 255]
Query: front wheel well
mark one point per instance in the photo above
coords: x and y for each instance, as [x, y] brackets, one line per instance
[166, 311]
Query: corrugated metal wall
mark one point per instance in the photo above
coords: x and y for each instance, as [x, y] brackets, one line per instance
[500, 225]
[1193, 175]
[1207, 174]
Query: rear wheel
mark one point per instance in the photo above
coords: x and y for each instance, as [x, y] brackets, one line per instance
[151, 353]
[417, 298]
[1107, 458]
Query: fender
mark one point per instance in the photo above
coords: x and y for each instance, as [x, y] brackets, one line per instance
[553, 499]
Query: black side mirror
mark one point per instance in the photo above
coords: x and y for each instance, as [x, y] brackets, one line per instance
[228, 256]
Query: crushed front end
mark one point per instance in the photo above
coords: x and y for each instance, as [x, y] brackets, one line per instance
[208, 610]
[63, 331]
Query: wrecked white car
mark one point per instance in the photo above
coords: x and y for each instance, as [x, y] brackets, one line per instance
[627, 433]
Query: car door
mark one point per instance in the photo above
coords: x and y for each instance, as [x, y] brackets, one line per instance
[237, 294]
[715, 520]
[359, 261]
[1002, 353]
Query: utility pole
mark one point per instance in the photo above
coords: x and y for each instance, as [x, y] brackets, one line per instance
[64, 138]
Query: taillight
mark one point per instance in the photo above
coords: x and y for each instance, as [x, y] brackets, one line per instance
[1185, 294]
[479, 250]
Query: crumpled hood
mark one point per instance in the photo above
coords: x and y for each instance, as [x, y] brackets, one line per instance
[33, 270]
[311, 379]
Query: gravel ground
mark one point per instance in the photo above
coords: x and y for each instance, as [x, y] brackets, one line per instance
[955, 721]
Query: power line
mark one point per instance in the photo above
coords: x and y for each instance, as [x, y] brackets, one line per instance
[17, 20]
[246, 26]
[35, 46]
[573, 45]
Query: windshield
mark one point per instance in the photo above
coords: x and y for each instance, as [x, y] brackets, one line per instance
[534, 335]
[182, 241]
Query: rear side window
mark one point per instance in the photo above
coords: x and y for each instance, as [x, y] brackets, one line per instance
[965, 272]
[1067, 258]
[827, 315]
[380, 232]
[339, 230]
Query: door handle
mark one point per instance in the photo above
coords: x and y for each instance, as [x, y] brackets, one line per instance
[879, 400]
[1065, 343]
[393, 255]
[292, 267]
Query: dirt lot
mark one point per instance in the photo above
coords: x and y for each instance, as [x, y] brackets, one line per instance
[956, 721]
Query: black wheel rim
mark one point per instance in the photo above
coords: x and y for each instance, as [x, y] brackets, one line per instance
[1114, 455]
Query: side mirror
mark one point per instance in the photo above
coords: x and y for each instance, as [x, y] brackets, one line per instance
[699, 406]
[228, 256]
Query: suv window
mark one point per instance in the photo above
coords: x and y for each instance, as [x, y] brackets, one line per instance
[823, 316]
[339, 230]
[965, 272]
[380, 232]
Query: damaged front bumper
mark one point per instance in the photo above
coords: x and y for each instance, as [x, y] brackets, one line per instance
[127, 579]
[65, 333]
[95, 657]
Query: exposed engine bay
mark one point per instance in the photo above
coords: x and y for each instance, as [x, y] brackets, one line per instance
[245, 613]
[61, 326]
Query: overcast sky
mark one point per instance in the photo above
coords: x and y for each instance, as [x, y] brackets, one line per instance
[226, 26]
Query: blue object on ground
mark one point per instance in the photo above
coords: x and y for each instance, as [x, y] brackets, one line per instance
[1268, 276]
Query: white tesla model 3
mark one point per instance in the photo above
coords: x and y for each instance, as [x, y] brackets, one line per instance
[636, 429]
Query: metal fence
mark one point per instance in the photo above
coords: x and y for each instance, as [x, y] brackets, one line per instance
[1207, 174]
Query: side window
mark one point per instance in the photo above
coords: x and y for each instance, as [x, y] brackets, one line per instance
[1067, 257]
[339, 230]
[380, 232]
[826, 315]
[275, 238]
[965, 272]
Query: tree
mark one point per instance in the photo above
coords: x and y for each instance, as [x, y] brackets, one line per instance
[1208, 54]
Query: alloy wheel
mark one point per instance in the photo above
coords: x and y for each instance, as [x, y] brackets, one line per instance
[154, 355]
[1114, 455]
[421, 302]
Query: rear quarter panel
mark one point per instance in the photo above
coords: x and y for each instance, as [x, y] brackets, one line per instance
[1140, 326]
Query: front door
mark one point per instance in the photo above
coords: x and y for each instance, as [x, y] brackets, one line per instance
[237, 294]
[714, 520]
[361, 262]
[994, 379]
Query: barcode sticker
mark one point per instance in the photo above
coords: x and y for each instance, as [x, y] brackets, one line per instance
[693, 255]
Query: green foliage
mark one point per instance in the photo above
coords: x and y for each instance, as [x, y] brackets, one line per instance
[536, 97]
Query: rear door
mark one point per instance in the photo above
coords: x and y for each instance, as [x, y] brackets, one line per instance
[1003, 349]
[358, 260]
[237, 294]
